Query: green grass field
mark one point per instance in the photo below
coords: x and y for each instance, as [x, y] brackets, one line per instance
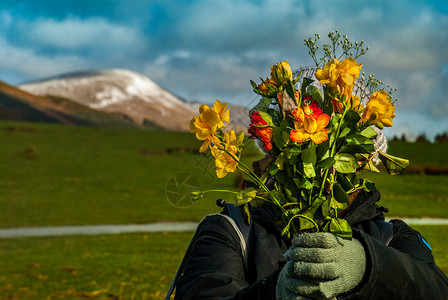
[53, 175]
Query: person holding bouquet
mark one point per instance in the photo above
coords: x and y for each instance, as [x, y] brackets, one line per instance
[307, 225]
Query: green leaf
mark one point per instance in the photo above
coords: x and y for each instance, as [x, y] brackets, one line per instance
[267, 117]
[245, 196]
[326, 163]
[335, 120]
[273, 169]
[289, 87]
[344, 182]
[280, 161]
[285, 136]
[308, 169]
[341, 227]
[278, 196]
[370, 166]
[345, 163]
[369, 133]
[339, 193]
[303, 183]
[244, 209]
[322, 150]
[357, 139]
[306, 82]
[315, 93]
[277, 134]
[355, 149]
[292, 151]
[326, 208]
[353, 178]
[351, 118]
[309, 155]
[254, 85]
[344, 132]
[290, 194]
[394, 165]
[262, 105]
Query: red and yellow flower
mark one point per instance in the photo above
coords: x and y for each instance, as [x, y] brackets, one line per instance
[261, 129]
[309, 123]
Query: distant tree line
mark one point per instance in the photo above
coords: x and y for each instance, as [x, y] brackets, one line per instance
[440, 138]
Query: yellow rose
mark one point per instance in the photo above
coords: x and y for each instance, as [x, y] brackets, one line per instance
[280, 73]
[380, 109]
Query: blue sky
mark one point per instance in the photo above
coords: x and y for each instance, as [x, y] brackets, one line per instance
[210, 49]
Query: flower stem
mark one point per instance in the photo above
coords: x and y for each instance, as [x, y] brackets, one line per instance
[333, 148]
[242, 167]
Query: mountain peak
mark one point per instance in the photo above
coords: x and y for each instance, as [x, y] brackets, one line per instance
[120, 91]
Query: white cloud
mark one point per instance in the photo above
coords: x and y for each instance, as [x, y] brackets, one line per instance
[33, 65]
[77, 34]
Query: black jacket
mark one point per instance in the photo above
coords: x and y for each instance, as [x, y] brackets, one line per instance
[215, 269]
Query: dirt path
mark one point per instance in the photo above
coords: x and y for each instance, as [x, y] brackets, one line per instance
[153, 227]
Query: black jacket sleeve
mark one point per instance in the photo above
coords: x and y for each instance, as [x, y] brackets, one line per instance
[403, 270]
[215, 267]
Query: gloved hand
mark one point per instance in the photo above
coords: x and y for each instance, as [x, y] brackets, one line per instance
[321, 265]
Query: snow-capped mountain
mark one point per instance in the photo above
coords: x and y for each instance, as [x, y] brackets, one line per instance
[118, 91]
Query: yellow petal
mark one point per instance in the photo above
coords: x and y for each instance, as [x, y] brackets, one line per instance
[220, 173]
[205, 146]
[309, 123]
[220, 109]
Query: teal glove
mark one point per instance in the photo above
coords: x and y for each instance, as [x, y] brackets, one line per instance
[320, 266]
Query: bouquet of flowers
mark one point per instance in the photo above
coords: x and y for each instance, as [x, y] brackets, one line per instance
[316, 139]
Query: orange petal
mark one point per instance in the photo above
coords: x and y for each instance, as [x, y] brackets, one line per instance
[299, 135]
[322, 121]
[298, 114]
[320, 136]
